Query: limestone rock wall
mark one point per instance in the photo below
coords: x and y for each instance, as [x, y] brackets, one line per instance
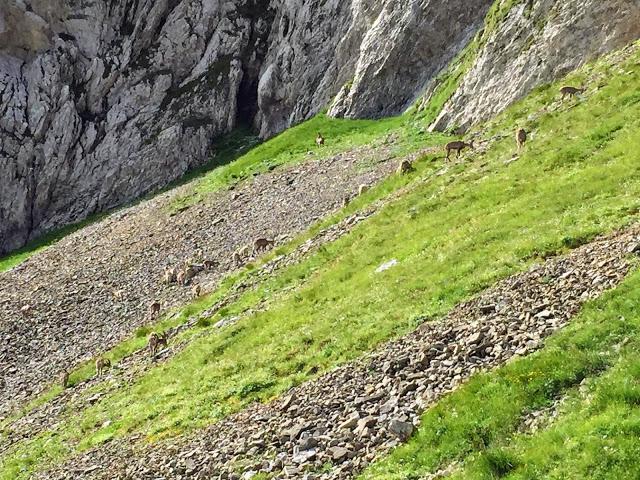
[538, 42]
[103, 101]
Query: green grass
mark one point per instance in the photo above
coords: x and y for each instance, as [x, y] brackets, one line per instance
[596, 437]
[293, 145]
[453, 235]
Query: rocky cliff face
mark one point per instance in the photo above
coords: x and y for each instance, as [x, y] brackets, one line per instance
[402, 51]
[101, 102]
[538, 41]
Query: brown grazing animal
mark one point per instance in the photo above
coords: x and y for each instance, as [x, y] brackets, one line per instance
[319, 140]
[157, 340]
[345, 201]
[169, 276]
[189, 272]
[181, 278]
[261, 244]
[457, 147]
[405, 167]
[196, 291]
[64, 380]
[521, 138]
[210, 264]
[240, 254]
[154, 309]
[102, 364]
[26, 310]
[571, 91]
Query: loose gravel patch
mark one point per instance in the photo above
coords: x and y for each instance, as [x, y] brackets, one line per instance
[92, 289]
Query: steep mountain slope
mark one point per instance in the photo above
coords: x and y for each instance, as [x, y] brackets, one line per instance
[78, 292]
[374, 275]
[443, 234]
[103, 101]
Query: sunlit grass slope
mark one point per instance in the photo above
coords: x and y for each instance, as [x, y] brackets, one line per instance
[596, 433]
[455, 232]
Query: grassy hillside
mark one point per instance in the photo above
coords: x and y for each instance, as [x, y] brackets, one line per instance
[240, 155]
[595, 435]
[456, 231]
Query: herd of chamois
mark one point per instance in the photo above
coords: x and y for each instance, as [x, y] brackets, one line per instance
[521, 134]
[181, 275]
[185, 274]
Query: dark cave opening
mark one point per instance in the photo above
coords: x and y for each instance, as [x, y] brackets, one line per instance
[247, 102]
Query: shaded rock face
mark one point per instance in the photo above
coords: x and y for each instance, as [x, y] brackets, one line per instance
[402, 51]
[538, 42]
[101, 102]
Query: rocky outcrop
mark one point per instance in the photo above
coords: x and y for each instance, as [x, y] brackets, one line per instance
[538, 42]
[402, 51]
[91, 117]
[101, 102]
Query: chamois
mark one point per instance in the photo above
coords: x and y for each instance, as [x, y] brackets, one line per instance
[521, 138]
[102, 364]
[319, 140]
[405, 167]
[190, 271]
[261, 244]
[196, 291]
[154, 309]
[157, 340]
[240, 254]
[169, 276]
[571, 91]
[457, 147]
[64, 380]
[210, 264]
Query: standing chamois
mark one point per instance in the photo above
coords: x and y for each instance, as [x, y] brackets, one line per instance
[457, 147]
[521, 138]
[571, 91]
